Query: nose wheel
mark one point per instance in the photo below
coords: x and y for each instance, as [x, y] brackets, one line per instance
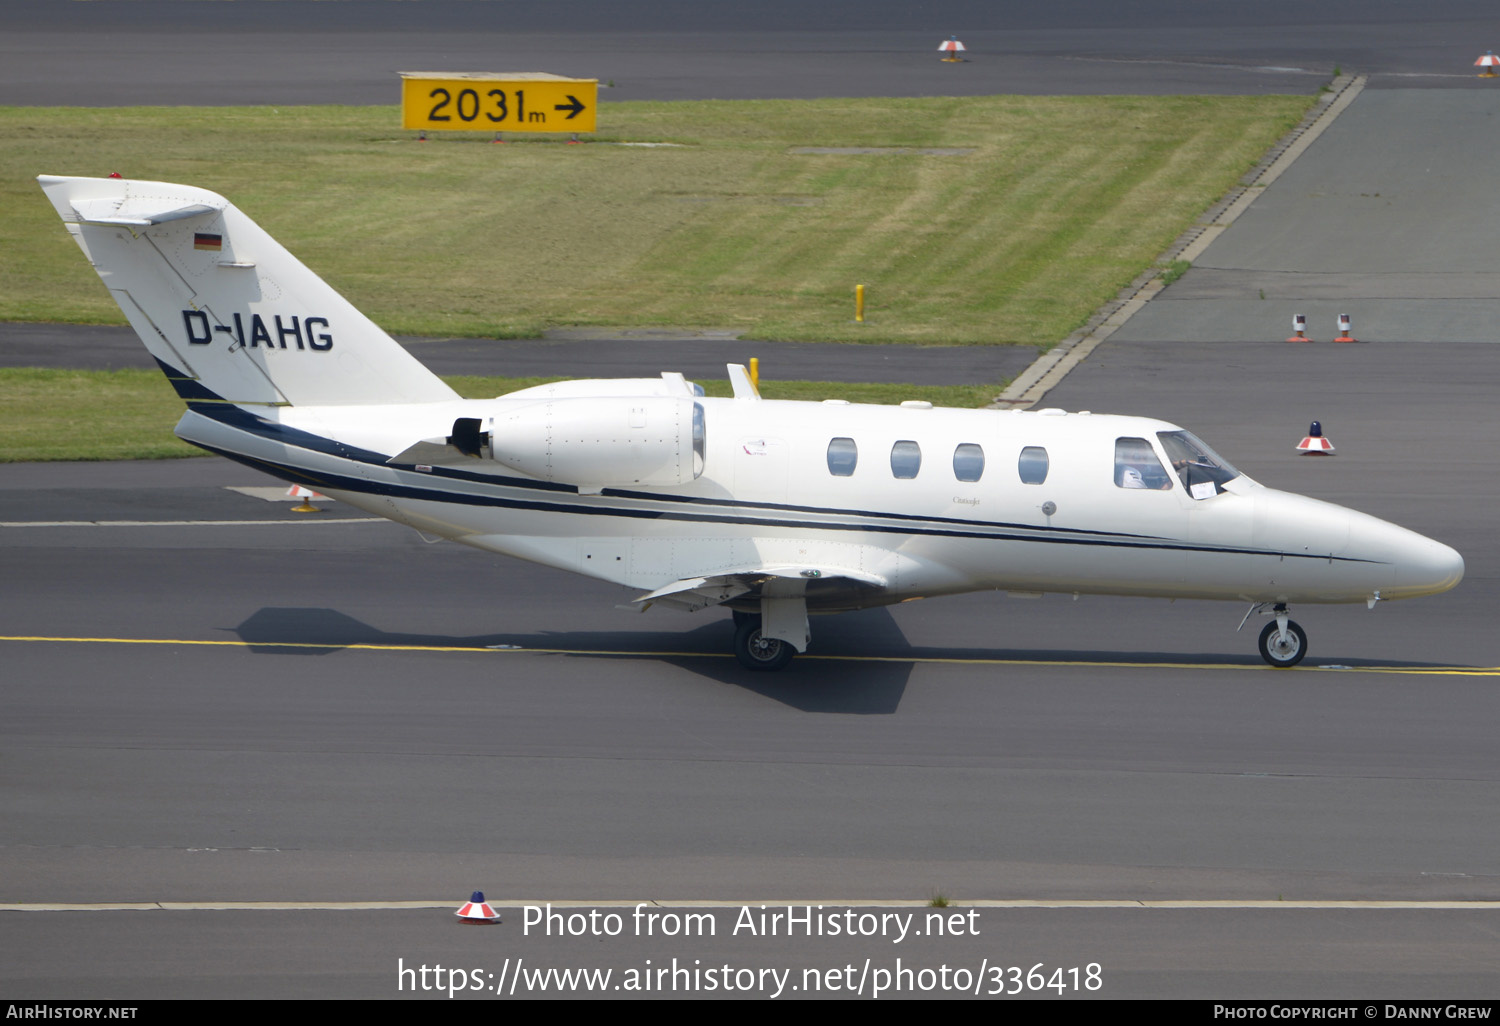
[1283, 646]
[1283, 643]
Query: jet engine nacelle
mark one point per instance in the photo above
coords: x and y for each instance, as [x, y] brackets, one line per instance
[600, 442]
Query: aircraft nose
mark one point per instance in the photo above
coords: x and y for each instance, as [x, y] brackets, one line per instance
[1426, 567]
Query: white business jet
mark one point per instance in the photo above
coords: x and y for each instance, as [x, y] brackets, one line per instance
[773, 509]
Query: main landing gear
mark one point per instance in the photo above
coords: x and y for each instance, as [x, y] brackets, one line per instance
[1283, 642]
[768, 641]
[754, 650]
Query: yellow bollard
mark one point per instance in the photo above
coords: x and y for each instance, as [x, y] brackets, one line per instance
[859, 303]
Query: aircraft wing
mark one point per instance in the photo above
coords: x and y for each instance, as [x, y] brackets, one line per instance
[693, 593]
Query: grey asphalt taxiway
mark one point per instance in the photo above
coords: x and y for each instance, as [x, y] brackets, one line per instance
[210, 699]
[622, 353]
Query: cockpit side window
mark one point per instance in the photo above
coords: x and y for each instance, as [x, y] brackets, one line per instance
[1203, 472]
[1136, 466]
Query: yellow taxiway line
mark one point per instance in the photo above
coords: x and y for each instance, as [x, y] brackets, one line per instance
[1451, 671]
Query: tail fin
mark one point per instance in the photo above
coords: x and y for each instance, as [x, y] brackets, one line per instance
[227, 312]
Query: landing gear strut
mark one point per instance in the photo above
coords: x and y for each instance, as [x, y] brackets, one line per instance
[1283, 642]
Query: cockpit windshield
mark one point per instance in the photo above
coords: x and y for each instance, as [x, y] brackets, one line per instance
[1203, 471]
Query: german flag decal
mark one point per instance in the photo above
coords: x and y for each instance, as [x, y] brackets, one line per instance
[205, 240]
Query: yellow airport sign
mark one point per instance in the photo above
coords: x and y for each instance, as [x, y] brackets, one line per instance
[531, 101]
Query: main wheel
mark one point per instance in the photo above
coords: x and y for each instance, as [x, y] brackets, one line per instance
[760, 653]
[1283, 648]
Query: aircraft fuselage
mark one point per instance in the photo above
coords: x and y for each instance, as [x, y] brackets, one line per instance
[895, 509]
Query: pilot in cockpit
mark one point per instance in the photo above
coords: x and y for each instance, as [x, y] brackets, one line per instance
[1137, 466]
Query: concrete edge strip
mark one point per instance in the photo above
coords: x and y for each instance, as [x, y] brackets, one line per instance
[1049, 369]
[995, 903]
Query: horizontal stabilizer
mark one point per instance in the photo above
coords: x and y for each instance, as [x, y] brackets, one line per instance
[112, 211]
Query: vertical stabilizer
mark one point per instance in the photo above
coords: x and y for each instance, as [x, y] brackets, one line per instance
[225, 309]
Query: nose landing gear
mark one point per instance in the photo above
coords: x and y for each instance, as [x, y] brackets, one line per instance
[1283, 646]
[1283, 642]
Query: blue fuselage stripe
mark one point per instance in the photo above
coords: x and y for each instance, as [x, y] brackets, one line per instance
[910, 524]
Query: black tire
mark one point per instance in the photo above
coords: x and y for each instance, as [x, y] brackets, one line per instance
[757, 653]
[1283, 650]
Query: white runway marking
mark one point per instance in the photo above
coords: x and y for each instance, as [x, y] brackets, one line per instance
[1026, 903]
[189, 523]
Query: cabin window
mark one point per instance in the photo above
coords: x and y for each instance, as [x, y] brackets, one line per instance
[1032, 466]
[843, 454]
[1203, 471]
[968, 462]
[906, 460]
[1136, 466]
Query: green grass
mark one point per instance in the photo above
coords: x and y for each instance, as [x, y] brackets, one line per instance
[1175, 269]
[48, 414]
[1061, 202]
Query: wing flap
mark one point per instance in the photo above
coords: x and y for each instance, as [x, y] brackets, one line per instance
[694, 593]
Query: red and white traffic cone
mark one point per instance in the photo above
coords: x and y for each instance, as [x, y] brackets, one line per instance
[1314, 444]
[477, 910]
[307, 495]
[952, 47]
